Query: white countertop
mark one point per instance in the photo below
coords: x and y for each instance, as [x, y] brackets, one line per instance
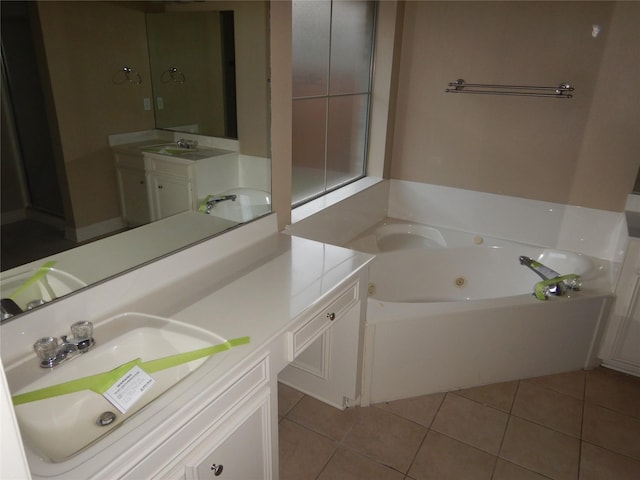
[286, 277]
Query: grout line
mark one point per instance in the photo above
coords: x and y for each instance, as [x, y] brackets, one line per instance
[506, 426]
[584, 404]
[339, 443]
[324, 467]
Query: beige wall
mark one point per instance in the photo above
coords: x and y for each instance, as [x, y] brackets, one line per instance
[192, 43]
[251, 20]
[281, 105]
[610, 151]
[86, 44]
[581, 151]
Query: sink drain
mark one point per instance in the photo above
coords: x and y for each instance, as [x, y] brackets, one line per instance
[106, 418]
[460, 282]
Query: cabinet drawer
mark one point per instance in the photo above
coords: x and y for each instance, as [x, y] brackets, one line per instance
[305, 334]
[173, 166]
[135, 162]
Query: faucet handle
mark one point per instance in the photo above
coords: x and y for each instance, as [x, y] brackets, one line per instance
[82, 332]
[46, 348]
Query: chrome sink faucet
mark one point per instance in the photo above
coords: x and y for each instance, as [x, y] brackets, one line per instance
[212, 201]
[184, 143]
[53, 351]
[8, 308]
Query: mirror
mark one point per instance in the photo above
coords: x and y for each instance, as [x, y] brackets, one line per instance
[79, 94]
[192, 60]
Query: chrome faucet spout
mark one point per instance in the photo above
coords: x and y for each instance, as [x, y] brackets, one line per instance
[215, 199]
[8, 309]
[545, 273]
[184, 143]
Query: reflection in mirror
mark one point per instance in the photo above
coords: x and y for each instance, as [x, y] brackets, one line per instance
[193, 72]
[64, 116]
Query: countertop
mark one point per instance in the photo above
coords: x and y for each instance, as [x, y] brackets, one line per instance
[287, 277]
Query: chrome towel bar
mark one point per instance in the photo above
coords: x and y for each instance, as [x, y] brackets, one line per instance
[560, 91]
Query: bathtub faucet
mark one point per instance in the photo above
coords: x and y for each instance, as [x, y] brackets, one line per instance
[214, 199]
[546, 274]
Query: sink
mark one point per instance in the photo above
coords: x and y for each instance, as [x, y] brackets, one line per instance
[59, 427]
[50, 284]
[398, 236]
[173, 150]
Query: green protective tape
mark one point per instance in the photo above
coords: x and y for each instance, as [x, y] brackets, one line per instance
[163, 363]
[42, 272]
[101, 382]
[539, 293]
[203, 206]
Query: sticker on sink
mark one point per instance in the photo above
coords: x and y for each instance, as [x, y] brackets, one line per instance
[128, 389]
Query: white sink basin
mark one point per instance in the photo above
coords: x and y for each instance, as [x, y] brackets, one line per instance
[58, 427]
[173, 150]
[55, 283]
[398, 236]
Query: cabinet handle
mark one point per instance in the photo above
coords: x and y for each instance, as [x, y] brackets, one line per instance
[331, 316]
[160, 187]
[141, 182]
[216, 469]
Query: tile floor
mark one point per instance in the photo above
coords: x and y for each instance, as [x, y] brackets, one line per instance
[580, 425]
[29, 240]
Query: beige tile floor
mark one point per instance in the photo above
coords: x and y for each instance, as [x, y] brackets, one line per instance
[582, 425]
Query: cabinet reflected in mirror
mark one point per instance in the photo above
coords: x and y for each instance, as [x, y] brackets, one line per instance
[78, 52]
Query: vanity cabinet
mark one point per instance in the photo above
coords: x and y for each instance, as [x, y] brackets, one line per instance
[132, 186]
[620, 344]
[171, 186]
[231, 437]
[325, 350]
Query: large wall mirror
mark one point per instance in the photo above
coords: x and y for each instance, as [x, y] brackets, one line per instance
[75, 73]
[192, 61]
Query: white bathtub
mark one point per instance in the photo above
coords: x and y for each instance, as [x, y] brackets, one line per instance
[455, 310]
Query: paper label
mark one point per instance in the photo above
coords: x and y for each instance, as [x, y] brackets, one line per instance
[128, 389]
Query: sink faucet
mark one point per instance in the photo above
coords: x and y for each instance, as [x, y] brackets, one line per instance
[214, 199]
[52, 351]
[8, 308]
[184, 143]
[545, 273]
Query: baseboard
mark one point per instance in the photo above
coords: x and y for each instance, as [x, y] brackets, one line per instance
[95, 230]
[46, 218]
[12, 216]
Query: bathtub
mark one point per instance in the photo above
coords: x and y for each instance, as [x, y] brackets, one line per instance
[450, 310]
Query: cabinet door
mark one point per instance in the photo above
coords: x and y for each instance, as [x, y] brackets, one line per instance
[620, 346]
[133, 196]
[243, 450]
[329, 367]
[169, 194]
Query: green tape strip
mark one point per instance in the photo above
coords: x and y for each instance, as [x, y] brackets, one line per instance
[153, 366]
[539, 289]
[42, 272]
[203, 205]
[101, 382]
